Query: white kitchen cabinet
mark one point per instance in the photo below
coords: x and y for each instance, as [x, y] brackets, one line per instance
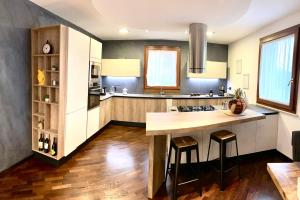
[92, 121]
[214, 70]
[95, 50]
[266, 134]
[121, 67]
[77, 70]
[75, 130]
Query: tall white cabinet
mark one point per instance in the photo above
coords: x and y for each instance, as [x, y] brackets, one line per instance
[77, 89]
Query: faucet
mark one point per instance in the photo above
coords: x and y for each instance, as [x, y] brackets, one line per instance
[161, 91]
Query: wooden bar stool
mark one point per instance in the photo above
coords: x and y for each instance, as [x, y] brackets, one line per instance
[180, 145]
[223, 137]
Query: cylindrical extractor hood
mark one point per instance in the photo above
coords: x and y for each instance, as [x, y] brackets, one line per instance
[197, 47]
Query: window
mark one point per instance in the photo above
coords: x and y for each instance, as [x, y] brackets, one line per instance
[278, 70]
[162, 67]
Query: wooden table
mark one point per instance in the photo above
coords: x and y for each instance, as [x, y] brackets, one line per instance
[159, 125]
[285, 176]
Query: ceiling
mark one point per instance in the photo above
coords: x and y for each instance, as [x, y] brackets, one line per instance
[230, 20]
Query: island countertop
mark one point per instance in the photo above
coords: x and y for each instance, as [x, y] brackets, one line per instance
[185, 122]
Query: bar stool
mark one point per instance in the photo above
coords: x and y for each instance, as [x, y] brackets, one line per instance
[223, 137]
[180, 145]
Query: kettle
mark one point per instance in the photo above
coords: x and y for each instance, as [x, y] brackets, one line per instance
[125, 91]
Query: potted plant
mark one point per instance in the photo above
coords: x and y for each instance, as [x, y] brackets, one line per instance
[238, 104]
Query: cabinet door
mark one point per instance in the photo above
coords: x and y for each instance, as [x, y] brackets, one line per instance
[77, 70]
[155, 105]
[266, 134]
[134, 110]
[108, 106]
[75, 130]
[118, 108]
[96, 50]
[92, 122]
[102, 114]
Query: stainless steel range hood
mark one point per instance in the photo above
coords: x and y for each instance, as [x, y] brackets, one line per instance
[197, 47]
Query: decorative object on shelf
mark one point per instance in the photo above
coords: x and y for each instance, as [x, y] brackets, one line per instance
[41, 124]
[41, 77]
[47, 48]
[41, 142]
[46, 144]
[211, 93]
[54, 82]
[54, 147]
[54, 68]
[238, 104]
[246, 78]
[125, 91]
[239, 66]
[47, 98]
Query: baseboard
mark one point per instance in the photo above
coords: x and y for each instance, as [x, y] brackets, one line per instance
[123, 123]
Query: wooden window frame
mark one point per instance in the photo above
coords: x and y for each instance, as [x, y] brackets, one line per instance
[295, 70]
[178, 63]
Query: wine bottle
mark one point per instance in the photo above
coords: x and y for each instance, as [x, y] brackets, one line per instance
[54, 147]
[46, 144]
[41, 142]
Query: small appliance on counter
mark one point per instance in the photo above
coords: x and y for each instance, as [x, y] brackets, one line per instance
[221, 90]
[125, 91]
[211, 93]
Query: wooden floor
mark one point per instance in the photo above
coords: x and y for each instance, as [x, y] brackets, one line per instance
[114, 166]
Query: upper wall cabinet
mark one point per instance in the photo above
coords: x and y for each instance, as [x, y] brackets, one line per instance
[121, 67]
[95, 50]
[214, 70]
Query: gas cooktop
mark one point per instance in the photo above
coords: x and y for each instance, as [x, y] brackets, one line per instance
[195, 108]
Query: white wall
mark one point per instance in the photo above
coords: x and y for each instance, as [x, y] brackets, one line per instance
[247, 49]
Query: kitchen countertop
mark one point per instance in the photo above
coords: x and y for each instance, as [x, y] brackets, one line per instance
[185, 122]
[158, 96]
[262, 110]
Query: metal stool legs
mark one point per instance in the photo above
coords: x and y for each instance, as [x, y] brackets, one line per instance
[168, 163]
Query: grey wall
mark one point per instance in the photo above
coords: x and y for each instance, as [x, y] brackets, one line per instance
[16, 19]
[135, 49]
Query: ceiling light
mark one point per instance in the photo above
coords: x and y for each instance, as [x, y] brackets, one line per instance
[123, 31]
[147, 31]
[209, 33]
[186, 32]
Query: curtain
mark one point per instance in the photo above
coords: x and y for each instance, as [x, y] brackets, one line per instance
[161, 68]
[276, 70]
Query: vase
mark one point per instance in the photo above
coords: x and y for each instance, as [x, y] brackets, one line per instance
[237, 106]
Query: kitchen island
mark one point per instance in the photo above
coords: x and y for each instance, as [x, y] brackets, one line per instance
[161, 125]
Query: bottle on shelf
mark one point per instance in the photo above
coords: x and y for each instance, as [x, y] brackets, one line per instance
[41, 142]
[54, 147]
[46, 144]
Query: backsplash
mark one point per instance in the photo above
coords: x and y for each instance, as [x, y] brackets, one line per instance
[135, 50]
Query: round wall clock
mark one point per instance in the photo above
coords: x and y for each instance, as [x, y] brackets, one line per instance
[47, 48]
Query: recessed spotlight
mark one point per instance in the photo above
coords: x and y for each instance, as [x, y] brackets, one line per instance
[123, 31]
[146, 30]
[210, 33]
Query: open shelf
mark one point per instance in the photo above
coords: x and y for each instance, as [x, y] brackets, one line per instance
[46, 97]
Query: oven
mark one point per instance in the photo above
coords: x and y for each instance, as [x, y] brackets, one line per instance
[94, 74]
